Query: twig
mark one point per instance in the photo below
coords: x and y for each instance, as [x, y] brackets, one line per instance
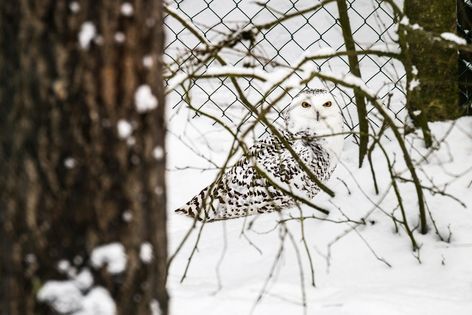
[283, 234]
[355, 70]
[300, 268]
[220, 260]
[194, 249]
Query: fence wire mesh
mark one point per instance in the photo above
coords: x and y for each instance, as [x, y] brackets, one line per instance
[373, 26]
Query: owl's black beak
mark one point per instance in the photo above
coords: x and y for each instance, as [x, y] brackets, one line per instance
[317, 116]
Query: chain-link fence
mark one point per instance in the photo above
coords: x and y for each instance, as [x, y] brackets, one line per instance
[373, 26]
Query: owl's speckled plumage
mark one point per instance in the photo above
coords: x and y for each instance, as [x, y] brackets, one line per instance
[250, 186]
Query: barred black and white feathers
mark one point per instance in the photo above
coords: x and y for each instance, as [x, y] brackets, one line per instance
[268, 175]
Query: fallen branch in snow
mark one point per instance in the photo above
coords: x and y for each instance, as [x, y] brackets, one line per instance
[346, 232]
[314, 217]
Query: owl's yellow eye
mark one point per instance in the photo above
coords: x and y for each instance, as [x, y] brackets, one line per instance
[327, 104]
[305, 105]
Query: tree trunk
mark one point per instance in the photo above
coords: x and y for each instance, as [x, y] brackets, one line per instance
[432, 67]
[464, 30]
[354, 68]
[81, 153]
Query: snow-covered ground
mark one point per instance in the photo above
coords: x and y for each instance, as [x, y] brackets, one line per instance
[367, 270]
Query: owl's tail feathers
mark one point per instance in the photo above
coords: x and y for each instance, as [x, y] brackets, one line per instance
[190, 211]
[200, 207]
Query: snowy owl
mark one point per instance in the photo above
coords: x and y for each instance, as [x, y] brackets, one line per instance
[267, 177]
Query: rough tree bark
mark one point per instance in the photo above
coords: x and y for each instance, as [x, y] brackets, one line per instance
[432, 67]
[69, 182]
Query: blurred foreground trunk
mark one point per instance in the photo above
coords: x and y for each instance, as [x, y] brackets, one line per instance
[81, 157]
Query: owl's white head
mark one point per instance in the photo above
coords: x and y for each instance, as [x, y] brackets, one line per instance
[315, 111]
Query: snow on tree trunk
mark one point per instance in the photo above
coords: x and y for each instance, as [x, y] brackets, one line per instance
[82, 192]
[432, 66]
[464, 30]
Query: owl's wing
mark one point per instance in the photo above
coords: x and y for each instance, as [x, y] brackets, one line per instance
[282, 171]
[243, 190]
[235, 192]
